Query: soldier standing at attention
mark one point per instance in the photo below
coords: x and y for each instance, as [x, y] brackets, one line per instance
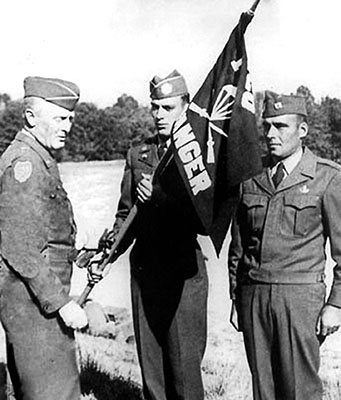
[277, 258]
[168, 275]
[37, 249]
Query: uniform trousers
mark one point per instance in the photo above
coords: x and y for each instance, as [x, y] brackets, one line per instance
[41, 354]
[170, 323]
[279, 327]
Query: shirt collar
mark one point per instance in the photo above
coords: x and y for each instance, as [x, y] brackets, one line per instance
[26, 137]
[289, 163]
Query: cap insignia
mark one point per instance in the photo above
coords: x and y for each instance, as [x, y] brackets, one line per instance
[166, 88]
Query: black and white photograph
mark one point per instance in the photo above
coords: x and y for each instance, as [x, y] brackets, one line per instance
[170, 200]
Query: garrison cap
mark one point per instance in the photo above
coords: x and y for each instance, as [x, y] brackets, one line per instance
[281, 104]
[57, 91]
[172, 85]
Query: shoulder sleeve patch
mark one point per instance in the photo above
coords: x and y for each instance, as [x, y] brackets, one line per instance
[22, 171]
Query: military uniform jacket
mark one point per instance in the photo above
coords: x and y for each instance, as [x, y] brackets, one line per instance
[36, 222]
[165, 228]
[279, 235]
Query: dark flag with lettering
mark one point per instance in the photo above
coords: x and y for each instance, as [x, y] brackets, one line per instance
[216, 142]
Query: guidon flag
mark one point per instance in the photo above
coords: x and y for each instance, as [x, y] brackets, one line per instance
[215, 143]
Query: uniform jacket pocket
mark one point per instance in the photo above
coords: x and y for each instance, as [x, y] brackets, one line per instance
[300, 214]
[256, 206]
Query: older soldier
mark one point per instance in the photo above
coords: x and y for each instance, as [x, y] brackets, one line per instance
[277, 258]
[37, 249]
[168, 276]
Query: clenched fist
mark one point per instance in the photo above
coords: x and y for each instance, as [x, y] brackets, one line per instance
[145, 188]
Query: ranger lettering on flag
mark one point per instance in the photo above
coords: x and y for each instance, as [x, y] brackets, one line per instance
[189, 151]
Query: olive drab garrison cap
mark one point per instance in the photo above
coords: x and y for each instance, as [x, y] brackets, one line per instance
[172, 85]
[281, 104]
[57, 91]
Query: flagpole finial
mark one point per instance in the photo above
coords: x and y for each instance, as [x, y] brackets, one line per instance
[253, 7]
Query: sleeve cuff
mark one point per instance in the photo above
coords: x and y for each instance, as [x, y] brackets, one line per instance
[53, 304]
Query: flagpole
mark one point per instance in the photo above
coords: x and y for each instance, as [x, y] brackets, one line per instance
[254, 6]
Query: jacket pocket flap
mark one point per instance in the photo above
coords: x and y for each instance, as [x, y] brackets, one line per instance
[300, 202]
[254, 200]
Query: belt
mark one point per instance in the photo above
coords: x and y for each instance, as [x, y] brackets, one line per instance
[282, 277]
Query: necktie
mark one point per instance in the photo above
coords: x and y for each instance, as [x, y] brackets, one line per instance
[161, 149]
[279, 174]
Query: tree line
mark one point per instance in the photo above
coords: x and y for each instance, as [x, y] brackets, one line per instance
[106, 133]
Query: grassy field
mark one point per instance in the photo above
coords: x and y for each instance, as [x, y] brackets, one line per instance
[109, 366]
[94, 191]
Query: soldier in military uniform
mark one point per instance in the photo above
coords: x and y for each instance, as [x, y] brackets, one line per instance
[37, 249]
[277, 258]
[168, 276]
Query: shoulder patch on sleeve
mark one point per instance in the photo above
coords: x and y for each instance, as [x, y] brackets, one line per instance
[22, 170]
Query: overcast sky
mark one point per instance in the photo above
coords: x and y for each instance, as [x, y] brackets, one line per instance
[110, 47]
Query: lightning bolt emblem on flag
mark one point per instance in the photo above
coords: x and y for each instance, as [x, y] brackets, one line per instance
[222, 110]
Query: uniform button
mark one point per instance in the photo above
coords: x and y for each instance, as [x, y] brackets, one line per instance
[52, 195]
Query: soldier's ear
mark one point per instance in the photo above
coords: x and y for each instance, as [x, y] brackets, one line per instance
[30, 117]
[303, 129]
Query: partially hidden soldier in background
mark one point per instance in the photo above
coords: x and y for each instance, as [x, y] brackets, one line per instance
[277, 258]
[168, 275]
[37, 249]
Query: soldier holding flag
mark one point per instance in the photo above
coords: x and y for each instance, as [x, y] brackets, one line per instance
[168, 275]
